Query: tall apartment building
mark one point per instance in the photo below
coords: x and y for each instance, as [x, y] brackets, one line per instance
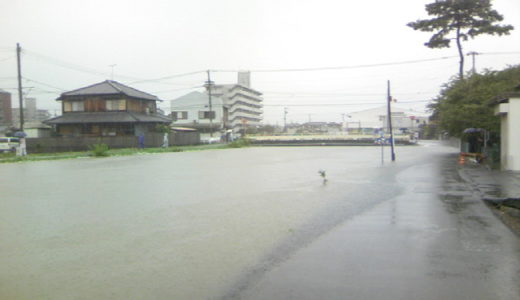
[31, 114]
[244, 104]
[6, 118]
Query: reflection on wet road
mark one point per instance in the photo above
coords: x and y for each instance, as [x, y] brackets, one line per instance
[199, 225]
[433, 240]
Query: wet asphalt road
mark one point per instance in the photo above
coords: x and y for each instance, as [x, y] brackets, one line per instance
[255, 223]
[434, 239]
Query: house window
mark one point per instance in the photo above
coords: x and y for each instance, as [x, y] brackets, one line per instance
[180, 115]
[69, 106]
[115, 105]
[206, 114]
[78, 106]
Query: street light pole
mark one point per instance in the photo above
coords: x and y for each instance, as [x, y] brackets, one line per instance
[389, 100]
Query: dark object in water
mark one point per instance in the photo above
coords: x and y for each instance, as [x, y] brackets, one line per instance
[509, 202]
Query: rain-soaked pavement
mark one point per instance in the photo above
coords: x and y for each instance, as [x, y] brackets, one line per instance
[254, 223]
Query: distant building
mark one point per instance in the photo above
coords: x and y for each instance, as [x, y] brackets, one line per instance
[31, 114]
[245, 105]
[234, 106]
[6, 118]
[367, 121]
[108, 108]
[192, 110]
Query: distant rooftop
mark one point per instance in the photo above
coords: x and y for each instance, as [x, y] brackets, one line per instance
[109, 87]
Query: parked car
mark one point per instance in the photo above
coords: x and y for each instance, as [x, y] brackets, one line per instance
[8, 144]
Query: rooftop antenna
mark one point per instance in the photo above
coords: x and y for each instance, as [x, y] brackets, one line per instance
[112, 71]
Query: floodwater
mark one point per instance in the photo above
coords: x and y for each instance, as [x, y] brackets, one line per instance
[178, 225]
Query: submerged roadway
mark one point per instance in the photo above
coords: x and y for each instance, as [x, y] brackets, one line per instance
[253, 223]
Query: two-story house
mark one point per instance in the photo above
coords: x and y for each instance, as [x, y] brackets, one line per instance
[192, 110]
[108, 108]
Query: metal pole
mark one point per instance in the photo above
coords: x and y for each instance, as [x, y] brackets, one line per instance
[382, 140]
[112, 71]
[20, 96]
[209, 83]
[473, 53]
[389, 100]
[285, 110]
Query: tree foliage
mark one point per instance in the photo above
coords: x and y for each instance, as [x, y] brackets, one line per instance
[465, 18]
[467, 103]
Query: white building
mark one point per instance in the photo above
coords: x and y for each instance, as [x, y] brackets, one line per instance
[244, 103]
[235, 106]
[192, 110]
[403, 120]
[509, 111]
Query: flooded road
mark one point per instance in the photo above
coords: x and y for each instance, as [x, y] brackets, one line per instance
[194, 225]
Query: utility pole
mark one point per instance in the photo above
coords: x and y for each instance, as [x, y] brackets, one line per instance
[389, 100]
[209, 83]
[285, 111]
[473, 53]
[20, 95]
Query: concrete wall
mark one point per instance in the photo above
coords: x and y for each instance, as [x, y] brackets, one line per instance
[504, 140]
[193, 103]
[510, 136]
[63, 144]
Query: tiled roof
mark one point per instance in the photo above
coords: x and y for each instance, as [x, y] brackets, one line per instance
[107, 117]
[109, 87]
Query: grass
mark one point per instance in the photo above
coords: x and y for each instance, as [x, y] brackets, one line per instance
[242, 142]
[12, 158]
[99, 150]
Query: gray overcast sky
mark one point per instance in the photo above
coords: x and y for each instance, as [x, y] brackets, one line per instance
[69, 44]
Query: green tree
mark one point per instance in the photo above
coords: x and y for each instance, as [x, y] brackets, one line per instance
[468, 103]
[465, 18]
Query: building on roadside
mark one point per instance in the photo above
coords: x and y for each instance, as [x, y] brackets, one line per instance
[507, 107]
[236, 106]
[6, 118]
[245, 105]
[37, 130]
[192, 111]
[31, 113]
[366, 121]
[108, 108]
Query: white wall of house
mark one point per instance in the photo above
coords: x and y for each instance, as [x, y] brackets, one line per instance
[190, 108]
[509, 133]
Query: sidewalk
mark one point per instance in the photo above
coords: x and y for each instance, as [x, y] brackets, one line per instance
[435, 239]
[499, 189]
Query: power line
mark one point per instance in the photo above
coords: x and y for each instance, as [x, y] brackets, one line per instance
[167, 77]
[499, 53]
[342, 67]
[45, 84]
[317, 94]
[180, 89]
[83, 69]
[344, 104]
[75, 67]
[7, 58]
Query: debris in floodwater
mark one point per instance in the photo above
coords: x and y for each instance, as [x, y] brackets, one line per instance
[510, 202]
[323, 174]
